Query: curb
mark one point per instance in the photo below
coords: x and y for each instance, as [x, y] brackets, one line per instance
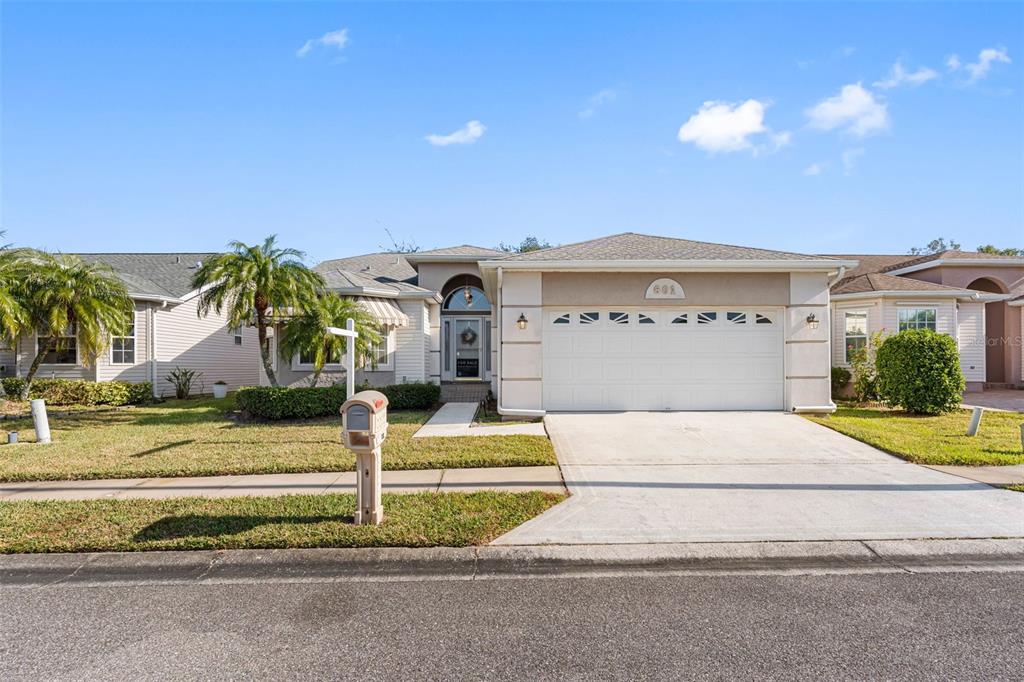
[510, 562]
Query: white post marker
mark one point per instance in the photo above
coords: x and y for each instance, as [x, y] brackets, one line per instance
[350, 355]
[39, 420]
[972, 428]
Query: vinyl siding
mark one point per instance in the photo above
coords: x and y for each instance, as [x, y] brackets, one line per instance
[297, 376]
[27, 352]
[412, 343]
[873, 308]
[138, 371]
[971, 339]
[183, 339]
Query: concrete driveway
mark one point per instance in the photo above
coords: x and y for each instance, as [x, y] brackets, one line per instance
[749, 476]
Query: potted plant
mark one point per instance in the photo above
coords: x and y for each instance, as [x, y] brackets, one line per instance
[220, 389]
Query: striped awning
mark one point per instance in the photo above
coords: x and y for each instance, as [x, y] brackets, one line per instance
[384, 310]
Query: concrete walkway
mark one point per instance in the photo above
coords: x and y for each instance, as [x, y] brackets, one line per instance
[993, 475]
[507, 479]
[456, 419]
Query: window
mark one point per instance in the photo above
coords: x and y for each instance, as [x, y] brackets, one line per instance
[122, 348]
[589, 318]
[917, 318]
[856, 333]
[64, 352]
[680, 319]
[644, 319]
[562, 319]
[467, 298]
[618, 318]
[736, 318]
[308, 358]
[380, 353]
[237, 333]
[762, 319]
[706, 318]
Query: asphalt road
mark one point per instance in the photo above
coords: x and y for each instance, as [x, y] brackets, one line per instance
[897, 626]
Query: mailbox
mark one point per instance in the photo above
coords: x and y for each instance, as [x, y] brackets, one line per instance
[364, 421]
[364, 426]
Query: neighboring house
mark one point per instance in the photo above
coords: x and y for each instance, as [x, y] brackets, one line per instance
[976, 298]
[627, 322]
[167, 333]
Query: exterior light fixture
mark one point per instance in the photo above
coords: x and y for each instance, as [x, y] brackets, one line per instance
[812, 321]
[521, 322]
[468, 294]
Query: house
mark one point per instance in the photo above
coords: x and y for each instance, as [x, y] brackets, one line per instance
[626, 322]
[167, 333]
[975, 297]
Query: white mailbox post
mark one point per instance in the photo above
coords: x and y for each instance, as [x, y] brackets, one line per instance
[364, 426]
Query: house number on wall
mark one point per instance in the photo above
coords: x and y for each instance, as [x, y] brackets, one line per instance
[665, 288]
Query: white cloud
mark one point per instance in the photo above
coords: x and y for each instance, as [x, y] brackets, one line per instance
[953, 62]
[597, 100]
[814, 169]
[467, 134]
[899, 76]
[334, 39]
[986, 58]
[849, 157]
[854, 109]
[725, 127]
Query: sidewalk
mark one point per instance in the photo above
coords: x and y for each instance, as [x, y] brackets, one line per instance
[456, 419]
[506, 479]
[1012, 474]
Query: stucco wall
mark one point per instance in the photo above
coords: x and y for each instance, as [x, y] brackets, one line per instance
[628, 288]
[433, 276]
[962, 276]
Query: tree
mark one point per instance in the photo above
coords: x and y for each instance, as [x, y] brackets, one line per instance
[65, 297]
[935, 246]
[306, 332]
[256, 285]
[12, 313]
[527, 245]
[397, 246]
[1008, 251]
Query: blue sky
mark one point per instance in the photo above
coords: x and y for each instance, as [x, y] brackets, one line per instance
[153, 127]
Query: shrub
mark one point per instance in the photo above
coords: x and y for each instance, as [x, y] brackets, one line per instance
[412, 396]
[840, 378]
[865, 373]
[81, 392]
[268, 402]
[919, 371]
[182, 379]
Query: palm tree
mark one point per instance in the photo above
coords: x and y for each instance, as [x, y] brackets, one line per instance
[306, 332]
[256, 284]
[12, 313]
[61, 292]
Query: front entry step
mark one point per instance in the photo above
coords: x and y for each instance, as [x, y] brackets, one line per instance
[464, 392]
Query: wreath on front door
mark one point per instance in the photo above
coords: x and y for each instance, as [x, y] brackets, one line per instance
[468, 336]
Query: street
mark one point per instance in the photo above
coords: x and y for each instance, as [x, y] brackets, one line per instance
[893, 625]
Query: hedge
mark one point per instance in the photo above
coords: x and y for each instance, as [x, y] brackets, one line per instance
[265, 402]
[840, 378]
[919, 371]
[80, 391]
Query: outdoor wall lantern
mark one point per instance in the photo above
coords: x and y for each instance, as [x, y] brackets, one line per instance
[812, 321]
[521, 322]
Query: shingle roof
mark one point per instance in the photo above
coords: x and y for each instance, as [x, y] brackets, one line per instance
[633, 246]
[461, 250]
[868, 263]
[164, 275]
[390, 267]
[881, 282]
[344, 280]
[949, 255]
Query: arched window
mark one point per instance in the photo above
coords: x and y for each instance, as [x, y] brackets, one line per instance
[467, 298]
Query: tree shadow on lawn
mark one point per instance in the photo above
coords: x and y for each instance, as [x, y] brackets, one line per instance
[211, 526]
[164, 447]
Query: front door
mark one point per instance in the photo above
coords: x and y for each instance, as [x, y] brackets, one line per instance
[468, 347]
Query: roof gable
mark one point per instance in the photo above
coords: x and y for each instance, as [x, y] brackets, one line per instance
[641, 247]
[881, 282]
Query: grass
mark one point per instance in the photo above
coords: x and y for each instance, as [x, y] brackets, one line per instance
[191, 523]
[1018, 488]
[195, 438]
[938, 439]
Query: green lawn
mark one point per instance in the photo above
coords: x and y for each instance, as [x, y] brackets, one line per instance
[195, 438]
[933, 440]
[422, 520]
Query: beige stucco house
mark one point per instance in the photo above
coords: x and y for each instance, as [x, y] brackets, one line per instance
[626, 322]
[167, 333]
[975, 297]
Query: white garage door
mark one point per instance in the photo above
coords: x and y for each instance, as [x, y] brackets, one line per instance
[663, 359]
